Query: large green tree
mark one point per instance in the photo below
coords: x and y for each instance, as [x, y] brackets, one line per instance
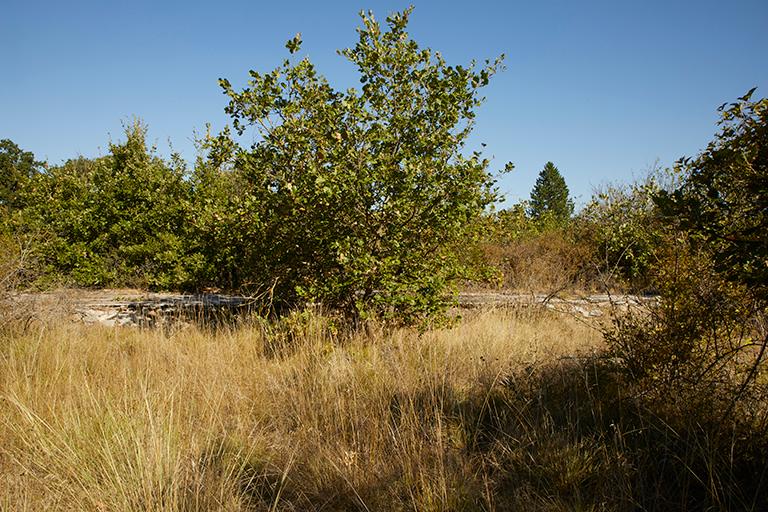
[549, 197]
[360, 195]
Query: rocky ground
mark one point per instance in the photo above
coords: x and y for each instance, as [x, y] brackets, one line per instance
[129, 307]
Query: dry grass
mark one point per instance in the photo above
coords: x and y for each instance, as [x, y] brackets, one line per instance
[124, 419]
[16, 268]
[500, 412]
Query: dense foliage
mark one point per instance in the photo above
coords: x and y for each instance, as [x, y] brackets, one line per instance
[118, 219]
[360, 195]
[622, 225]
[354, 199]
[698, 355]
[723, 202]
[367, 202]
[611, 244]
[16, 167]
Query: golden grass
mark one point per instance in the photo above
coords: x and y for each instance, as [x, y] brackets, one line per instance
[510, 409]
[96, 418]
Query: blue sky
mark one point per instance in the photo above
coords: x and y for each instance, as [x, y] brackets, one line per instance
[602, 89]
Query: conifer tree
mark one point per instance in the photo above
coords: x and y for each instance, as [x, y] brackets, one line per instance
[549, 197]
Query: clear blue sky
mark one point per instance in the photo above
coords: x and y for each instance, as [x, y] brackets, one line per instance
[602, 89]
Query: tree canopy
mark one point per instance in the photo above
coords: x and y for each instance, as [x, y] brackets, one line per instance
[16, 166]
[117, 219]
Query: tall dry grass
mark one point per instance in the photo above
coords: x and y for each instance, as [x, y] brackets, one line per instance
[508, 410]
[17, 267]
[123, 419]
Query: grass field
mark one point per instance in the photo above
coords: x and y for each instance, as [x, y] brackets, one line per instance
[508, 410]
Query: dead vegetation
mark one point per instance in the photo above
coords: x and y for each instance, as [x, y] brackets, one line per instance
[511, 409]
[297, 417]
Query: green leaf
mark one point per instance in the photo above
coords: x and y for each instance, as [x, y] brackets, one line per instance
[294, 44]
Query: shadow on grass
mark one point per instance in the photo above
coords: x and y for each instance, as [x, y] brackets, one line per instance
[576, 436]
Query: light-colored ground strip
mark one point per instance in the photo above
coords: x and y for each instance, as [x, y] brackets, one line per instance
[587, 306]
[128, 307]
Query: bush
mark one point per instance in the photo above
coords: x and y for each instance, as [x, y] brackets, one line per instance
[623, 226]
[572, 435]
[226, 234]
[723, 201]
[697, 358]
[548, 262]
[17, 269]
[16, 168]
[692, 363]
[698, 342]
[114, 220]
[709, 328]
[359, 197]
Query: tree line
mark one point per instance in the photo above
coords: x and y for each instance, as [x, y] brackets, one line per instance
[365, 200]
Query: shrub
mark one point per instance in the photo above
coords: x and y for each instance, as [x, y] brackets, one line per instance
[723, 200]
[360, 196]
[696, 358]
[622, 225]
[709, 328]
[16, 168]
[226, 234]
[548, 262]
[114, 220]
[540, 255]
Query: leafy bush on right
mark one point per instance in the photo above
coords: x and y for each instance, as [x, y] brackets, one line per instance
[697, 358]
[713, 278]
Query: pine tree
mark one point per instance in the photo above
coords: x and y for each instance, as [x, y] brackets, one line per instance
[549, 197]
